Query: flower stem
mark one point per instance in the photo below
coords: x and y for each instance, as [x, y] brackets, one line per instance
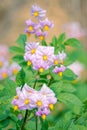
[35, 83]
[25, 119]
[36, 123]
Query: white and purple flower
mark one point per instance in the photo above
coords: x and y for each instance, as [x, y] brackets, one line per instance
[41, 35]
[46, 24]
[28, 98]
[30, 27]
[37, 12]
[59, 70]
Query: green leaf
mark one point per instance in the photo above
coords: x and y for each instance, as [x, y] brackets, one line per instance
[18, 58]
[21, 40]
[15, 49]
[69, 75]
[78, 127]
[69, 98]
[54, 41]
[73, 42]
[20, 78]
[61, 38]
[44, 124]
[44, 43]
[62, 87]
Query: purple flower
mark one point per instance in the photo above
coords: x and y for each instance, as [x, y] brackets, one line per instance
[37, 12]
[46, 91]
[46, 24]
[74, 29]
[30, 27]
[40, 65]
[43, 112]
[14, 68]
[41, 35]
[29, 98]
[29, 59]
[3, 62]
[23, 99]
[45, 54]
[61, 57]
[49, 94]
[4, 73]
[3, 51]
[31, 48]
[39, 101]
[59, 70]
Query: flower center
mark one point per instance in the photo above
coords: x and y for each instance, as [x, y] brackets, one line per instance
[45, 57]
[28, 34]
[4, 75]
[15, 71]
[56, 62]
[27, 101]
[36, 13]
[39, 103]
[41, 37]
[33, 51]
[46, 27]
[29, 63]
[16, 97]
[60, 73]
[1, 63]
[43, 116]
[15, 108]
[31, 28]
[41, 69]
[51, 106]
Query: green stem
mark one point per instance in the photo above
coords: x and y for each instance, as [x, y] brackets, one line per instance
[36, 123]
[35, 83]
[25, 119]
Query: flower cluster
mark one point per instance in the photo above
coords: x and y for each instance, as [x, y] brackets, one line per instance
[7, 69]
[42, 57]
[28, 98]
[41, 27]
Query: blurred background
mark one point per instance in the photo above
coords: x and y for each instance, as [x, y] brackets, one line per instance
[67, 15]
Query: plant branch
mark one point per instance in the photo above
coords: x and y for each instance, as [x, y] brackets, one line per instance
[25, 118]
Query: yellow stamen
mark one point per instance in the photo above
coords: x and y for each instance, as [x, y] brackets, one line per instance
[56, 62]
[60, 73]
[28, 34]
[51, 106]
[29, 63]
[39, 103]
[15, 108]
[45, 57]
[27, 101]
[4, 75]
[31, 28]
[15, 71]
[46, 27]
[1, 63]
[43, 116]
[33, 51]
[41, 69]
[16, 97]
[41, 37]
[36, 13]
